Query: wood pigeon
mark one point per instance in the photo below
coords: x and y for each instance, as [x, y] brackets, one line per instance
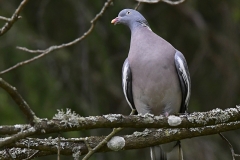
[155, 76]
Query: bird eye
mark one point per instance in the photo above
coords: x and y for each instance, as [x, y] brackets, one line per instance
[128, 12]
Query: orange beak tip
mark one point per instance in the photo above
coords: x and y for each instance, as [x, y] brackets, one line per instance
[113, 21]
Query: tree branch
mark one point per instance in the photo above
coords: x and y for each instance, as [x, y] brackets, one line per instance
[53, 48]
[22, 154]
[8, 140]
[136, 8]
[192, 125]
[70, 121]
[12, 91]
[137, 140]
[13, 19]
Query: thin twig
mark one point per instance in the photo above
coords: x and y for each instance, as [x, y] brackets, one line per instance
[87, 144]
[230, 146]
[28, 148]
[105, 140]
[29, 50]
[5, 19]
[53, 48]
[16, 137]
[12, 91]
[166, 1]
[59, 146]
[30, 157]
[13, 19]
[173, 2]
[136, 8]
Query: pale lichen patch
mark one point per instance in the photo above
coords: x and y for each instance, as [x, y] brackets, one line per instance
[67, 118]
[32, 129]
[219, 115]
[18, 126]
[198, 118]
[141, 134]
[112, 117]
[92, 119]
[116, 143]
[232, 111]
[238, 107]
[159, 117]
[169, 132]
[174, 120]
[148, 120]
[76, 153]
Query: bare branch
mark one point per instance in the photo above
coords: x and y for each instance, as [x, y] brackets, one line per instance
[136, 8]
[59, 147]
[68, 121]
[53, 48]
[230, 146]
[5, 19]
[173, 2]
[102, 143]
[9, 130]
[12, 91]
[175, 128]
[19, 153]
[188, 126]
[13, 19]
[137, 140]
[29, 50]
[32, 156]
[8, 140]
[166, 1]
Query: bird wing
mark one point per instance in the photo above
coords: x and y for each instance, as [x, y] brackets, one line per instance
[127, 84]
[184, 78]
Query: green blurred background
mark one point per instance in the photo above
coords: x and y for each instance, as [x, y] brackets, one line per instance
[86, 77]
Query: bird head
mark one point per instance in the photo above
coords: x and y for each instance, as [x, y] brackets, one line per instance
[130, 18]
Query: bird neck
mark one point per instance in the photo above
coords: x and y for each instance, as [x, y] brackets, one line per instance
[139, 24]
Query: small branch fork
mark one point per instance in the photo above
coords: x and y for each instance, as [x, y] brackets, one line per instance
[12, 91]
[102, 143]
[10, 21]
[230, 146]
[53, 48]
[5, 19]
[26, 133]
[105, 140]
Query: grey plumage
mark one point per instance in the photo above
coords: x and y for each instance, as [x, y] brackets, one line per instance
[156, 79]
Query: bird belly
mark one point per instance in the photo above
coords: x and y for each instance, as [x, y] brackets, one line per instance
[156, 92]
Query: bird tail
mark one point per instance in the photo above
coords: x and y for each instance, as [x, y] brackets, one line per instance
[157, 153]
[175, 153]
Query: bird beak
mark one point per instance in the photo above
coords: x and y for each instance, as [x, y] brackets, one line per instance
[115, 20]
